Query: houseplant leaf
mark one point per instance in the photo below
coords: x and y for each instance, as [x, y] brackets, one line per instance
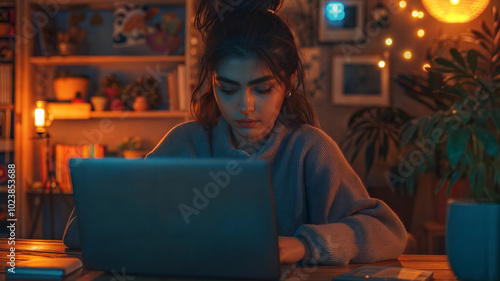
[457, 57]
[472, 60]
[495, 116]
[441, 182]
[456, 145]
[489, 141]
[446, 63]
[454, 178]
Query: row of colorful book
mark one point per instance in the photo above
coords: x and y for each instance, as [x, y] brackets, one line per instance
[60, 161]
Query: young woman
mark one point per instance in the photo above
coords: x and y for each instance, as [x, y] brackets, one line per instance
[250, 103]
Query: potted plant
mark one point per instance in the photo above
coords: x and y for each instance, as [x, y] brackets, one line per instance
[374, 129]
[99, 101]
[142, 94]
[67, 84]
[131, 148]
[469, 130]
[111, 87]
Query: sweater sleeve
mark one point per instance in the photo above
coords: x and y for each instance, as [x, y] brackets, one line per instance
[345, 224]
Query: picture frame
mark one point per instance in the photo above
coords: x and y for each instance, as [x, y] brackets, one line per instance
[341, 21]
[359, 80]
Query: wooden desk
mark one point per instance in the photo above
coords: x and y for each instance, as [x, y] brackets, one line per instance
[30, 249]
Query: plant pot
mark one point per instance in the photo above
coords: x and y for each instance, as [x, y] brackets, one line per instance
[473, 240]
[134, 154]
[99, 103]
[67, 87]
[140, 104]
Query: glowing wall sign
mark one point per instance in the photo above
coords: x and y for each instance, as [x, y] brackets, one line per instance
[335, 11]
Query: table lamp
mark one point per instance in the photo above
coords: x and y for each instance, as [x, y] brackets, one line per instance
[43, 119]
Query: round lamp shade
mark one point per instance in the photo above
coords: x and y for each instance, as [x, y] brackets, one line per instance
[455, 11]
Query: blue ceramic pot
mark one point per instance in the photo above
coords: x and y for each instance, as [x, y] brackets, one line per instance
[473, 240]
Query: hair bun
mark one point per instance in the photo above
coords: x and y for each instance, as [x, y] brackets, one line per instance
[212, 11]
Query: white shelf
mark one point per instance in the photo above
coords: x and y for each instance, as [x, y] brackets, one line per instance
[124, 115]
[139, 114]
[90, 60]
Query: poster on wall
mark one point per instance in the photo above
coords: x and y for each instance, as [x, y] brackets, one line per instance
[157, 27]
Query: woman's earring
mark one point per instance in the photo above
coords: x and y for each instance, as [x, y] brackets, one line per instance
[289, 94]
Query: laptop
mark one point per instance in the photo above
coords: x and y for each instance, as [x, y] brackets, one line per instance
[178, 217]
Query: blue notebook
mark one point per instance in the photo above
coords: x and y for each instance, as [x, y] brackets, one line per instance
[47, 269]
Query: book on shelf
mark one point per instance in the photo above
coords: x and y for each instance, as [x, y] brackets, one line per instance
[177, 89]
[60, 160]
[5, 83]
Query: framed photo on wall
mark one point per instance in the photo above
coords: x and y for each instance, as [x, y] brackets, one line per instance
[341, 21]
[361, 80]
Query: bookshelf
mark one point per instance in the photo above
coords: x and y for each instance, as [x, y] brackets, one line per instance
[7, 88]
[104, 127]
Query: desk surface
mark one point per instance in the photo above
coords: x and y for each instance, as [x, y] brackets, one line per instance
[30, 249]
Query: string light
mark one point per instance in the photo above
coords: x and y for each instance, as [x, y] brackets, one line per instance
[420, 33]
[426, 66]
[381, 64]
[454, 2]
[388, 41]
[420, 14]
[402, 4]
[407, 55]
[414, 14]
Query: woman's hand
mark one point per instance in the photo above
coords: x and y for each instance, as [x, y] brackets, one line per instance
[291, 249]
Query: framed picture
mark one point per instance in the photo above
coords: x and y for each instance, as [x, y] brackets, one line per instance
[341, 21]
[361, 80]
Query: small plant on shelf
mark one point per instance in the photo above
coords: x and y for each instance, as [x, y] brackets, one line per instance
[142, 94]
[131, 147]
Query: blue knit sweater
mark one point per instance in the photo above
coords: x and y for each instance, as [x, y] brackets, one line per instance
[319, 198]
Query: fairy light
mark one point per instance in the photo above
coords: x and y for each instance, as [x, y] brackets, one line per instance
[402, 4]
[454, 2]
[388, 41]
[420, 33]
[426, 67]
[420, 14]
[414, 14]
[407, 55]
[381, 64]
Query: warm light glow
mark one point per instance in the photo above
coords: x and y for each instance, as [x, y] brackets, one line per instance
[388, 41]
[407, 55]
[426, 66]
[39, 117]
[455, 11]
[42, 117]
[414, 14]
[420, 33]
[402, 4]
[381, 64]
[420, 15]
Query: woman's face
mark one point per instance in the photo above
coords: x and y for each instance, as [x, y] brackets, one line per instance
[248, 96]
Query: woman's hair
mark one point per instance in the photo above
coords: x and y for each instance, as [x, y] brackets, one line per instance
[244, 29]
